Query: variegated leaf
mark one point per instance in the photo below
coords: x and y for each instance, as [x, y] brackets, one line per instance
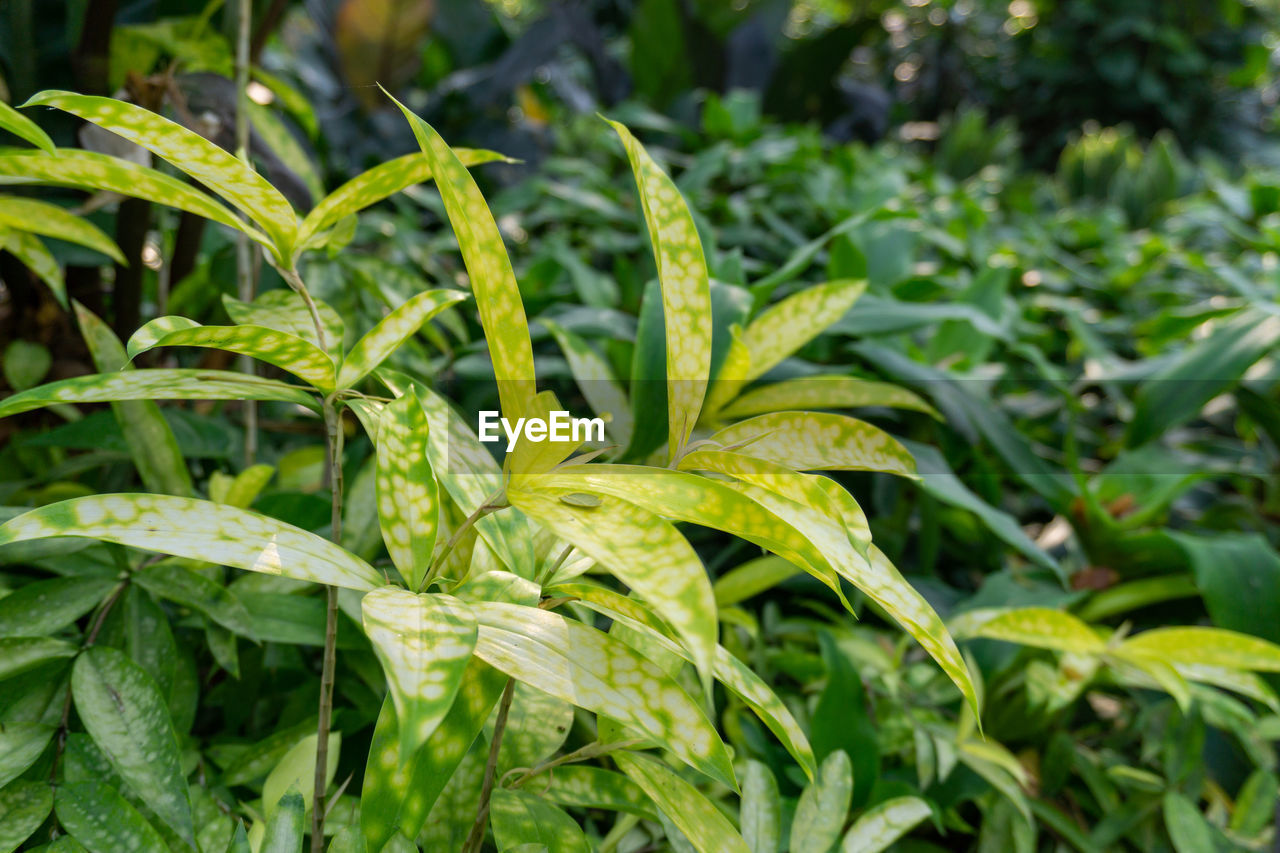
[288, 352]
[607, 397]
[1041, 627]
[823, 805]
[50, 220]
[537, 457]
[201, 530]
[369, 188]
[521, 818]
[705, 826]
[730, 378]
[24, 128]
[1204, 646]
[582, 665]
[587, 787]
[156, 384]
[760, 815]
[824, 392]
[17, 655]
[883, 824]
[391, 331]
[817, 441]
[23, 808]
[424, 642]
[790, 324]
[95, 814]
[492, 280]
[27, 248]
[285, 311]
[408, 497]
[647, 554]
[21, 743]
[190, 152]
[686, 290]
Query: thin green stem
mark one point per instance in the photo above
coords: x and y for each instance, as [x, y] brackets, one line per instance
[476, 837]
[490, 504]
[333, 431]
[244, 250]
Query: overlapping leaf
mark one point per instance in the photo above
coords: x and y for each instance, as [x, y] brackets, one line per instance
[391, 331]
[596, 381]
[20, 745]
[818, 441]
[823, 804]
[46, 606]
[790, 324]
[824, 392]
[519, 818]
[589, 787]
[50, 220]
[407, 495]
[883, 824]
[761, 814]
[701, 822]
[24, 128]
[1204, 646]
[285, 311]
[1041, 627]
[23, 807]
[27, 248]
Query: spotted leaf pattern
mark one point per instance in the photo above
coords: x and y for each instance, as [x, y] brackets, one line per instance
[824, 392]
[200, 530]
[1041, 627]
[156, 384]
[27, 248]
[407, 494]
[285, 311]
[219, 170]
[519, 817]
[791, 323]
[606, 396]
[23, 807]
[589, 787]
[24, 128]
[288, 352]
[1205, 647]
[592, 670]
[50, 220]
[424, 642]
[883, 824]
[704, 825]
[818, 441]
[391, 331]
[686, 290]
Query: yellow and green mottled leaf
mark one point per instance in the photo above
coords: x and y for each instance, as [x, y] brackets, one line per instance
[824, 392]
[1244, 683]
[27, 248]
[407, 494]
[190, 152]
[200, 530]
[285, 311]
[506, 329]
[94, 814]
[156, 384]
[760, 814]
[296, 772]
[369, 188]
[24, 128]
[817, 441]
[50, 220]
[1041, 627]
[583, 786]
[423, 642]
[23, 808]
[790, 324]
[647, 554]
[123, 710]
[704, 825]
[1206, 647]
[519, 818]
[686, 290]
[288, 352]
[730, 378]
[587, 667]
[537, 457]
[606, 396]
[391, 331]
[884, 823]
[823, 805]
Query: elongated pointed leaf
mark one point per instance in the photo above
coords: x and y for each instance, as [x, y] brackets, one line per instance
[158, 383]
[580, 665]
[20, 745]
[284, 832]
[27, 248]
[151, 441]
[288, 352]
[392, 331]
[492, 280]
[221, 171]
[761, 813]
[519, 817]
[190, 589]
[821, 809]
[596, 381]
[818, 441]
[790, 324]
[23, 807]
[588, 787]
[285, 311]
[883, 824]
[686, 290]
[50, 220]
[128, 719]
[385, 179]
[201, 530]
[1041, 627]
[423, 642]
[44, 607]
[24, 128]
[824, 392]
[1205, 646]
[701, 822]
[296, 774]
[17, 655]
[408, 497]
[647, 554]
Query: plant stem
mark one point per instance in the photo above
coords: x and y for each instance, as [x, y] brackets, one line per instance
[489, 505]
[476, 837]
[244, 251]
[591, 750]
[333, 431]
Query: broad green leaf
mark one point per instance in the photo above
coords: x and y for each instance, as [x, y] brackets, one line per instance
[841, 722]
[586, 787]
[752, 578]
[407, 495]
[822, 807]
[296, 774]
[200, 530]
[761, 813]
[288, 352]
[20, 746]
[1000, 770]
[392, 331]
[191, 589]
[607, 398]
[153, 384]
[817, 441]
[824, 392]
[23, 807]
[423, 642]
[92, 171]
[730, 377]
[519, 817]
[489, 268]
[537, 725]
[1255, 804]
[50, 220]
[704, 825]
[27, 248]
[242, 489]
[25, 363]
[285, 311]
[151, 441]
[883, 824]
[97, 816]
[47, 606]
[21, 654]
[791, 323]
[1188, 829]
[686, 290]
[579, 664]
[369, 188]
[647, 554]
[221, 171]
[284, 830]
[24, 128]
[1204, 646]
[1040, 627]
[123, 710]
